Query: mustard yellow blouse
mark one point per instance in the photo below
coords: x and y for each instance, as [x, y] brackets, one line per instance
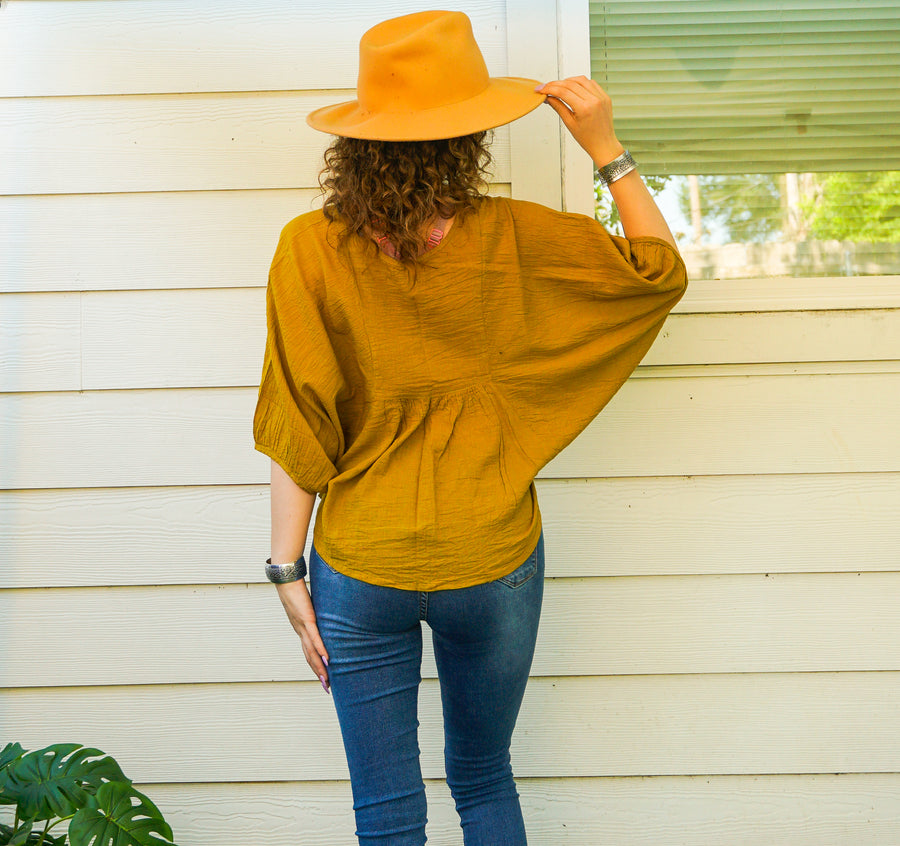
[421, 409]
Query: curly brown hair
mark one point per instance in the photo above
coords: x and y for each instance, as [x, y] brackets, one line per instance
[396, 188]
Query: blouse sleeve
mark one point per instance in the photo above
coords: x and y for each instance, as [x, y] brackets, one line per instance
[594, 304]
[296, 421]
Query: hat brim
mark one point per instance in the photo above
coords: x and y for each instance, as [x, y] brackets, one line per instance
[506, 99]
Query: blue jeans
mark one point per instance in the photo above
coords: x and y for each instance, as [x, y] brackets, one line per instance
[483, 640]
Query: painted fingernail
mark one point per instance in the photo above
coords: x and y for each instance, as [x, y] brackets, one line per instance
[324, 660]
[540, 87]
[324, 684]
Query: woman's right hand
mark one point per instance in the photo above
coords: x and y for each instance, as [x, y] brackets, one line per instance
[297, 603]
[586, 110]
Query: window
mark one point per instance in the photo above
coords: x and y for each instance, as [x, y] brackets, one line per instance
[769, 130]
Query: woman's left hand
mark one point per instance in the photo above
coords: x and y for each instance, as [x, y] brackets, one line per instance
[586, 110]
[295, 598]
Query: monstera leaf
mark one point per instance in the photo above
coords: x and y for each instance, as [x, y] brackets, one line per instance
[119, 815]
[10, 836]
[56, 781]
[24, 836]
[11, 752]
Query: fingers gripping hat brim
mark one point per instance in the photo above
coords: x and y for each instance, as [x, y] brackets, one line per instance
[504, 100]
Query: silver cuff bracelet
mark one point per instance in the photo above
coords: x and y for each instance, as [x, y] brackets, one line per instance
[617, 168]
[281, 573]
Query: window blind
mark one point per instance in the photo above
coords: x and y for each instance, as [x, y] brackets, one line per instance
[752, 86]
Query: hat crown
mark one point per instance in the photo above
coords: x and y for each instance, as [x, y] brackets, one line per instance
[422, 77]
[421, 61]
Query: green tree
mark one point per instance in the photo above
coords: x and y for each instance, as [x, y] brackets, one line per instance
[605, 209]
[748, 208]
[855, 207]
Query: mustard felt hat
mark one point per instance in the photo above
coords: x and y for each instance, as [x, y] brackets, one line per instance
[422, 77]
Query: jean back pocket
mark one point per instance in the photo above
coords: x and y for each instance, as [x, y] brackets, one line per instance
[523, 572]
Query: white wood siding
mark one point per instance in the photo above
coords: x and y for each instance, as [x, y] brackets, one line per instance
[719, 658]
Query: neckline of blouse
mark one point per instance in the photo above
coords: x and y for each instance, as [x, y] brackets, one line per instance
[450, 227]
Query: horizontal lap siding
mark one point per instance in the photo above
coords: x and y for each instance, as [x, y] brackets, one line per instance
[585, 726]
[626, 526]
[733, 810]
[720, 625]
[188, 142]
[104, 340]
[658, 426]
[94, 242]
[171, 46]
[100, 242]
[627, 625]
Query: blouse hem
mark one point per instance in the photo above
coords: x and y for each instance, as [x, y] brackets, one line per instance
[510, 563]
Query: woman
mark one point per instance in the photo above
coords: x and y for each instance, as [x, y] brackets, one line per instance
[430, 349]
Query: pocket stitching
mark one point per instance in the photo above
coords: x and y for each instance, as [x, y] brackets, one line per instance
[511, 583]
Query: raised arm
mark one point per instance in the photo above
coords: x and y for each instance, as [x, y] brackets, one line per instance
[291, 510]
[586, 110]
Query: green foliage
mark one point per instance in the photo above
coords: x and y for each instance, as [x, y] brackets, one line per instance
[119, 816]
[24, 836]
[856, 207]
[859, 207]
[67, 782]
[54, 782]
[8, 754]
[605, 209]
[747, 207]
